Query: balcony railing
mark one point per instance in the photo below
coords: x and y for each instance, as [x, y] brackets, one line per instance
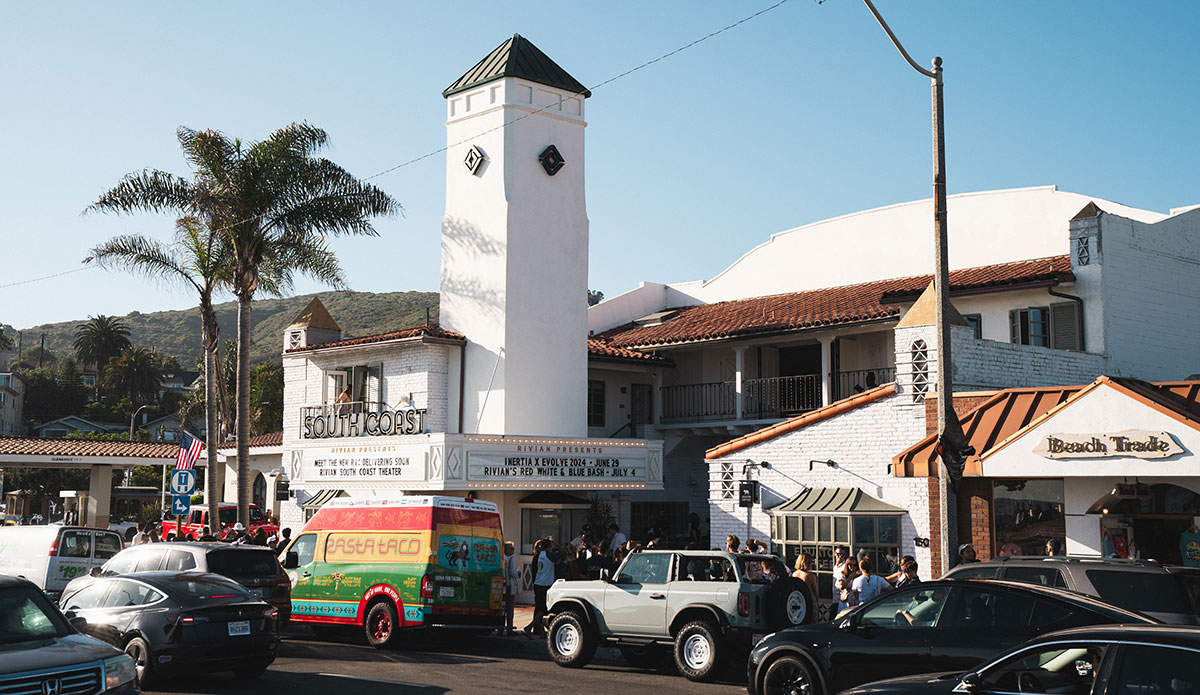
[343, 408]
[848, 383]
[780, 396]
[696, 402]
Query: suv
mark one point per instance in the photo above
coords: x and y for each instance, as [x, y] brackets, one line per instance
[42, 652]
[196, 524]
[1137, 585]
[252, 566]
[704, 605]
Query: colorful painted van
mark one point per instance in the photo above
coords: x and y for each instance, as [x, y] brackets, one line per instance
[396, 564]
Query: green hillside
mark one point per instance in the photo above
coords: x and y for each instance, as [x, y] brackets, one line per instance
[178, 332]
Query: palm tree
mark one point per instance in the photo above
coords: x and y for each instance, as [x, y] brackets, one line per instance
[199, 259]
[135, 372]
[101, 339]
[274, 202]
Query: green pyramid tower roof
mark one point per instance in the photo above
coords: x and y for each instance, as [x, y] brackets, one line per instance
[517, 57]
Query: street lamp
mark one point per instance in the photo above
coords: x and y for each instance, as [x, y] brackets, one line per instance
[950, 436]
[132, 419]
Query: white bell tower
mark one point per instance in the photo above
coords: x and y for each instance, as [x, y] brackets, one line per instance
[515, 243]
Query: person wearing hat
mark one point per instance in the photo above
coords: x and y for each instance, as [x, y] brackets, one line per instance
[580, 541]
[966, 554]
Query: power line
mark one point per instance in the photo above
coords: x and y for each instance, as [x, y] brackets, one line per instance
[445, 148]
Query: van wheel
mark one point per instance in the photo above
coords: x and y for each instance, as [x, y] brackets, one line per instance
[143, 664]
[571, 641]
[698, 651]
[381, 624]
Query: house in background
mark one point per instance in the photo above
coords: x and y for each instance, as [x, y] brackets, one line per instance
[12, 405]
[166, 428]
[181, 382]
[57, 429]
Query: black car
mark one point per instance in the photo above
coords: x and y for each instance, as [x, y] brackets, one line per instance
[41, 652]
[1108, 660]
[177, 621]
[924, 628]
[253, 566]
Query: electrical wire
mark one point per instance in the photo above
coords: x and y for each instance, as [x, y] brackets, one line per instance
[445, 148]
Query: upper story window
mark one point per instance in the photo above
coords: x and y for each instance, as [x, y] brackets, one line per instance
[360, 384]
[975, 321]
[595, 403]
[920, 369]
[293, 340]
[1055, 326]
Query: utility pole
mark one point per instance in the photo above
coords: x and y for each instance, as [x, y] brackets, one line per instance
[941, 281]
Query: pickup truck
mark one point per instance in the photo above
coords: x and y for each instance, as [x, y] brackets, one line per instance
[704, 606]
[196, 524]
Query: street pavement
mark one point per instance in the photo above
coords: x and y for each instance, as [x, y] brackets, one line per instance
[446, 661]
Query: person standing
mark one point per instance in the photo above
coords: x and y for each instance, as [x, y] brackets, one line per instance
[616, 539]
[546, 555]
[966, 554]
[285, 537]
[908, 572]
[868, 585]
[840, 554]
[844, 586]
[139, 537]
[733, 543]
[1053, 548]
[512, 585]
[803, 572]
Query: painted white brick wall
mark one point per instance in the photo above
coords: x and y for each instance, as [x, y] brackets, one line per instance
[862, 442]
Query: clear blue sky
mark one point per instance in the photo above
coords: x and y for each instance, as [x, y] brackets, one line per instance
[802, 114]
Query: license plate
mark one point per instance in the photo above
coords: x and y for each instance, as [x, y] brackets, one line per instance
[446, 591]
[239, 627]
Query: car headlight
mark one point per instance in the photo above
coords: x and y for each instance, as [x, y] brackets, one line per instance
[118, 670]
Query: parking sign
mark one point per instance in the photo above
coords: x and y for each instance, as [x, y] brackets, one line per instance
[183, 482]
[181, 504]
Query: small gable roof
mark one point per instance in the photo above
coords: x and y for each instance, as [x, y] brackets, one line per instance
[517, 57]
[1010, 413]
[835, 500]
[315, 315]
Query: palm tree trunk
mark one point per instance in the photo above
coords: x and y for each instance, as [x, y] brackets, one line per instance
[243, 410]
[212, 492]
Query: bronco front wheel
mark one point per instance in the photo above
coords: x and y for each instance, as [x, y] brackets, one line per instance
[570, 640]
[381, 624]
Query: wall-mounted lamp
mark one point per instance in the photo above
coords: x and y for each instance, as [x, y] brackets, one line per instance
[828, 462]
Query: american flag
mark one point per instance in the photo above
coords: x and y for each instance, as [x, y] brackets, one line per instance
[189, 451]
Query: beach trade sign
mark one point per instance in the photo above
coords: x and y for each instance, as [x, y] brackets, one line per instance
[1140, 444]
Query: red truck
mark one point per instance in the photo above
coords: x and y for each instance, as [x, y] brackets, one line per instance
[196, 523]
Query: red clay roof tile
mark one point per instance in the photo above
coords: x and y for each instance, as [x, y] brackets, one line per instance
[603, 350]
[403, 333]
[268, 439]
[826, 307]
[33, 446]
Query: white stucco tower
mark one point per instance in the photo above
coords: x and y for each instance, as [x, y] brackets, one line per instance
[515, 243]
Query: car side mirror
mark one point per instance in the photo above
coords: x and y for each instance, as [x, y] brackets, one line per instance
[77, 621]
[96, 572]
[969, 683]
[606, 575]
[291, 560]
[849, 624]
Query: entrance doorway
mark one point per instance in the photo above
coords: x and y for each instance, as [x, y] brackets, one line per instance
[1158, 538]
[1144, 521]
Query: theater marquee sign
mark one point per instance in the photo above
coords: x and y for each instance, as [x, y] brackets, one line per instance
[437, 461]
[1142, 444]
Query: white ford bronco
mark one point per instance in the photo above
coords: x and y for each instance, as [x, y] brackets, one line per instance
[702, 605]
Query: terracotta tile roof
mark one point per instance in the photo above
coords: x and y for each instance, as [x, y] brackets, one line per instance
[602, 350]
[825, 307]
[1009, 413]
[418, 331]
[812, 417]
[33, 446]
[268, 439]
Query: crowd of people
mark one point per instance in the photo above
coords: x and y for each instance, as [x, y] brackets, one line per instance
[151, 532]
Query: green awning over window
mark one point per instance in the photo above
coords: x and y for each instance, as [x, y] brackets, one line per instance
[835, 500]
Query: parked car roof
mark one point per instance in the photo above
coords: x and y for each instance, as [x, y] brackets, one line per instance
[1178, 635]
[1062, 594]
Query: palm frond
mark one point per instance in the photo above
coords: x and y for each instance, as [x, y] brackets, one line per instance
[144, 256]
[148, 190]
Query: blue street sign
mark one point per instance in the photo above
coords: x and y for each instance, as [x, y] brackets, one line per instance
[181, 505]
[183, 482]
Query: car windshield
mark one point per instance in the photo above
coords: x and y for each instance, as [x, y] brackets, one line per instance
[1145, 592]
[25, 614]
[205, 588]
[243, 563]
[229, 515]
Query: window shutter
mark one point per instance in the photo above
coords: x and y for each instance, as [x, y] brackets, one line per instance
[374, 394]
[1014, 326]
[1064, 326]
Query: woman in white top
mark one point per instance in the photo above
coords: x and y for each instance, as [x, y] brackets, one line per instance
[512, 584]
[868, 585]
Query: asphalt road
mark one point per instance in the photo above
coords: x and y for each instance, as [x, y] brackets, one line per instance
[444, 662]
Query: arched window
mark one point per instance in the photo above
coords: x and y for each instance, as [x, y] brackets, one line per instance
[259, 495]
[920, 370]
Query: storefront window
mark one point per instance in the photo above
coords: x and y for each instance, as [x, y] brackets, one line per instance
[1027, 514]
[817, 535]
